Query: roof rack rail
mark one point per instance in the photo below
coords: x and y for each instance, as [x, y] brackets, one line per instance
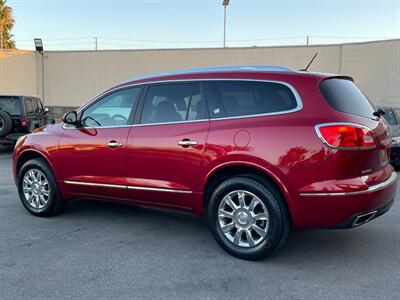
[249, 68]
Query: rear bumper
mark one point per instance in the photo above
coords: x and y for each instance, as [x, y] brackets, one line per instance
[340, 210]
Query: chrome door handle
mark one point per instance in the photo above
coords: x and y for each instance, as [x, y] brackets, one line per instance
[114, 144]
[187, 143]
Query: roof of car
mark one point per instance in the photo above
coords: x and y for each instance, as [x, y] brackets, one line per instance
[222, 69]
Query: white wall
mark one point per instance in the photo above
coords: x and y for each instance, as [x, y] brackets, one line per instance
[72, 78]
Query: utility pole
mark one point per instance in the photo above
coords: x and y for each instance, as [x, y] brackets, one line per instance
[96, 43]
[308, 40]
[1, 36]
[225, 4]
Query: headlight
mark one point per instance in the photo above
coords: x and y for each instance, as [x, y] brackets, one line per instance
[396, 140]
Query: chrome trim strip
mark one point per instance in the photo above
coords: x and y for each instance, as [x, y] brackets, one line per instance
[372, 188]
[293, 90]
[129, 187]
[317, 130]
[142, 188]
[95, 184]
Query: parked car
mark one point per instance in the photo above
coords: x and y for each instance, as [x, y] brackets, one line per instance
[20, 115]
[394, 122]
[257, 150]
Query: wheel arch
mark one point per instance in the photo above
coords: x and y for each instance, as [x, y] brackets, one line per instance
[28, 155]
[262, 175]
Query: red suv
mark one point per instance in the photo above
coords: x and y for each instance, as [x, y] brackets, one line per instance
[257, 150]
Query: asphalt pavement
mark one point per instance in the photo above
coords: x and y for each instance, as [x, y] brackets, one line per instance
[102, 250]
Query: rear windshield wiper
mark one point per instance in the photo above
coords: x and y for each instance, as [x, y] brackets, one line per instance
[378, 113]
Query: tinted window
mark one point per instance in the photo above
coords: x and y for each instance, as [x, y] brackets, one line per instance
[173, 103]
[246, 98]
[29, 107]
[112, 110]
[344, 96]
[12, 105]
[35, 107]
[390, 116]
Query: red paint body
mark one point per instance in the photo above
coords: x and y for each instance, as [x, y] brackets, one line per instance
[284, 147]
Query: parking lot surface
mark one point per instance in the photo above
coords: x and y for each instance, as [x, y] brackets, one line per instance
[102, 250]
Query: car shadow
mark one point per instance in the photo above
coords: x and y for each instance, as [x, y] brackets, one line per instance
[312, 245]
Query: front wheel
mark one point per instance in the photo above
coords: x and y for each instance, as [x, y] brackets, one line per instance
[247, 218]
[38, 190]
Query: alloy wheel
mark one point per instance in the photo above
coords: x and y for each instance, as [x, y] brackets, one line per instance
[36, 189]
[243, 218]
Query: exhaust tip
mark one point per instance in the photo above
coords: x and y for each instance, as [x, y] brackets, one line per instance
[364, 218]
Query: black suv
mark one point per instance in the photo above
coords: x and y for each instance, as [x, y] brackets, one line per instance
[394, 121]
[20, 115]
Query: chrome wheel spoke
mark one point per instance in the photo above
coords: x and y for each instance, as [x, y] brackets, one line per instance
[253, 203]
[228, 200]
[250, 239]
[225, 214]
[258, 230]
[238, 237]
[227, 227]
[241, 199]
[260, 217]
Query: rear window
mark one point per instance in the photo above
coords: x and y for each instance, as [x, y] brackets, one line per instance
[12, 105]
[344, 96]
[247, 98]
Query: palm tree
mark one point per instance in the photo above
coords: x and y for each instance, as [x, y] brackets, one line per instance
[6, 24]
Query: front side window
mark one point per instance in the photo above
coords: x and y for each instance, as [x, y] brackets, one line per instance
[166, 103]
[113, 110]
[247, 98]
[12, 105]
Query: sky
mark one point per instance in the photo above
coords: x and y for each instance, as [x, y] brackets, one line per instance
[74, 25]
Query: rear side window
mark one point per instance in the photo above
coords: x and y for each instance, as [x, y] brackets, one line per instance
[247, 98]
[12, 105]
[344, 96]
[166, 103]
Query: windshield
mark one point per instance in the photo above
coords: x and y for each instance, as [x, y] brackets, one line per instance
[12, 105]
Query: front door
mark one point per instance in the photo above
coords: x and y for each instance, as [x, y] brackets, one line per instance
[165, 148]
[92, 158]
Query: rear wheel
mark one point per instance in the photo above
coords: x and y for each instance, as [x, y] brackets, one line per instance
[247, 218]
[5, 123]
[38, 190]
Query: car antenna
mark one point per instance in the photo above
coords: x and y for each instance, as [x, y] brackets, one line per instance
[309, 64]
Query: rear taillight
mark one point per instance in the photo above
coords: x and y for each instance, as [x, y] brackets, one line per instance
[346, 136]
[24, 123]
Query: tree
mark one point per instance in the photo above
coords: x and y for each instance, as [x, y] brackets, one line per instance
[6, 24]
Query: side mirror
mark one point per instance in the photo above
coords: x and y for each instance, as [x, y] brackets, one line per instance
[71, 118]
[46, 110]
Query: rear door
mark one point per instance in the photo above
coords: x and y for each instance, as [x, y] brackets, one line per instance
[344, 96]
[165, 147]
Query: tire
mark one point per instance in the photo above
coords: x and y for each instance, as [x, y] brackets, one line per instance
[269, 214]
[5, 123]
[48, 200]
